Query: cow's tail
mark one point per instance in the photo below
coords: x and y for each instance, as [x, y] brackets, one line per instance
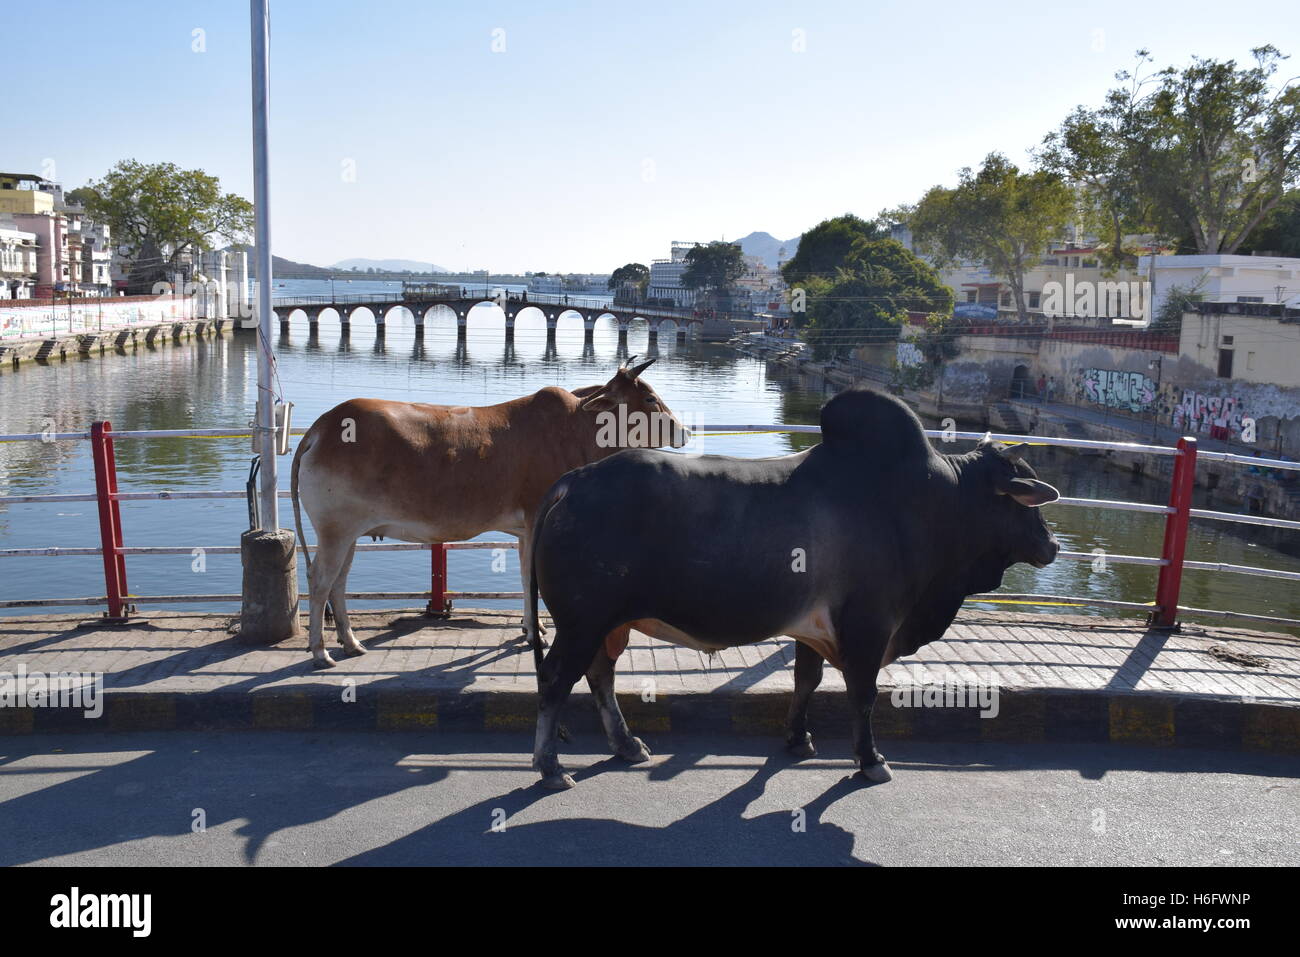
[293, 494]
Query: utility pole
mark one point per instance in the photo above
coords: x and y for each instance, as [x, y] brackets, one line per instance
[269, 612]
[270, 507]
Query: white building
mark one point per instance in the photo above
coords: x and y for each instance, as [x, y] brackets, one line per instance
[1225, 278]
[666, 276]
[17, 261]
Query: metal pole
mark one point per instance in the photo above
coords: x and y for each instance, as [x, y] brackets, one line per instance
[260, 29]
[110, 519]
[1175, 541]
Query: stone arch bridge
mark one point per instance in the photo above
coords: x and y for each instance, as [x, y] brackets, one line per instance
[552, 307]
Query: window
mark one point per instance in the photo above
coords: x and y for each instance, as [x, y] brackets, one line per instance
[1227, 340]
[1250, 299]
[1006, 299]
[1033, 300]
[970, 295]
[1225, 363]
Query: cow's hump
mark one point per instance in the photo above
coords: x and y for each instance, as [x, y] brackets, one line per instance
[876, 421]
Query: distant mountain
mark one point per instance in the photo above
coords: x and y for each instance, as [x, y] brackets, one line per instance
[768, 247]
[388, 265]
[283, 268]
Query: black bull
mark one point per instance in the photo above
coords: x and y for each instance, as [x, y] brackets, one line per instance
[862, 548]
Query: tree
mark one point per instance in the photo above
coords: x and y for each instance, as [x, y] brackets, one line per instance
[826, 247]
[1207, 151]
[1178, 300]
[160, 211]
[1279, 233]
[998, 216]
[633, 273]
[1088, 151]
[870, 297]
[713, 268]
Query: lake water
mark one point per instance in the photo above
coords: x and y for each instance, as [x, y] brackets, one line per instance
[212, 384]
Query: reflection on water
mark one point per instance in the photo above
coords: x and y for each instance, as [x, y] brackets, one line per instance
[211, 384]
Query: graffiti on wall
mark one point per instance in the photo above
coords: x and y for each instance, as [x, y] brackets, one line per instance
[1119, 390]
[909, 354]
[1203, 412]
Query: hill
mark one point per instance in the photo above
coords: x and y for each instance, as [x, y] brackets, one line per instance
[768, 247]
[388, 265]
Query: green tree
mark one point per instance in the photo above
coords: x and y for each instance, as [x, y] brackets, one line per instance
[634, 273]
[712, 268]
[1206, 152]
[1279, 233]
[998, 216]
[1178, 300]
[870, 297]
[1089, 152]
[826, 247]
[160, 211]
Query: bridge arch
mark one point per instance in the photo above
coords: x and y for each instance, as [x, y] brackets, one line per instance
[439, 313]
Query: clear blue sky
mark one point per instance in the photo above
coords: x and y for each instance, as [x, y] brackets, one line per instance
[601, 132]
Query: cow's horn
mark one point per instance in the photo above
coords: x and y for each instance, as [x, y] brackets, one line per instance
[626, 362]
[642, 367]
[1015, 452]
[987, 440]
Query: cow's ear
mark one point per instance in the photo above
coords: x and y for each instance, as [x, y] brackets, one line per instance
[587, 390]
[1031, 492]
[600, 402]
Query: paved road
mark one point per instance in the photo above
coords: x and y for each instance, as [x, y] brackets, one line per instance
[411, 798]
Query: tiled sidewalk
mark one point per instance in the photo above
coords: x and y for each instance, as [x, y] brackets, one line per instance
[1057, 677]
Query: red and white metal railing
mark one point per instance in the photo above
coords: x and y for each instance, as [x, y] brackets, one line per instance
[1163, 611]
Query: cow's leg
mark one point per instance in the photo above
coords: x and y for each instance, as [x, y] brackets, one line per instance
[860, 678]
[863, 638]
[808, 665]
[563, 665]
[526, 575]
[331, 552]
[339, 603]
[600, 678]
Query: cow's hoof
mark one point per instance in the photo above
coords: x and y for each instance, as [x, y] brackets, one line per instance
[876, 773]
[634, 751]
[557, 782]
[801, 747]
[323, 662]
[353, 651]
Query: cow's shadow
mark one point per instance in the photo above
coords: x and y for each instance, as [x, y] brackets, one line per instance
[717, 834]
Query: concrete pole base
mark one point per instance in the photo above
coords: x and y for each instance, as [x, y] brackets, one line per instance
[269, 613]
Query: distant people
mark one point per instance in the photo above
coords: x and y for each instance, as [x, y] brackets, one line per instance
[1051, 389]
[1042, 387]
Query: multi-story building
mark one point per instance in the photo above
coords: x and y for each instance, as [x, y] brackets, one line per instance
[25, 193]
[1068, 283]
[72, 254]
[17, 260]
[666, 277]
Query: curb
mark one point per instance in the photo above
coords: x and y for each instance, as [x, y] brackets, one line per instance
[1025, 716]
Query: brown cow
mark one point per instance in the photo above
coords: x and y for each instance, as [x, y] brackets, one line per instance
[437, 473]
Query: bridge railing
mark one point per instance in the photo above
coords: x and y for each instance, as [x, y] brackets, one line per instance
[1163, 610]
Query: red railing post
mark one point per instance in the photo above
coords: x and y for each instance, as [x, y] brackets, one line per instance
[110, 518]
[1175, 544]
[439, 606]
